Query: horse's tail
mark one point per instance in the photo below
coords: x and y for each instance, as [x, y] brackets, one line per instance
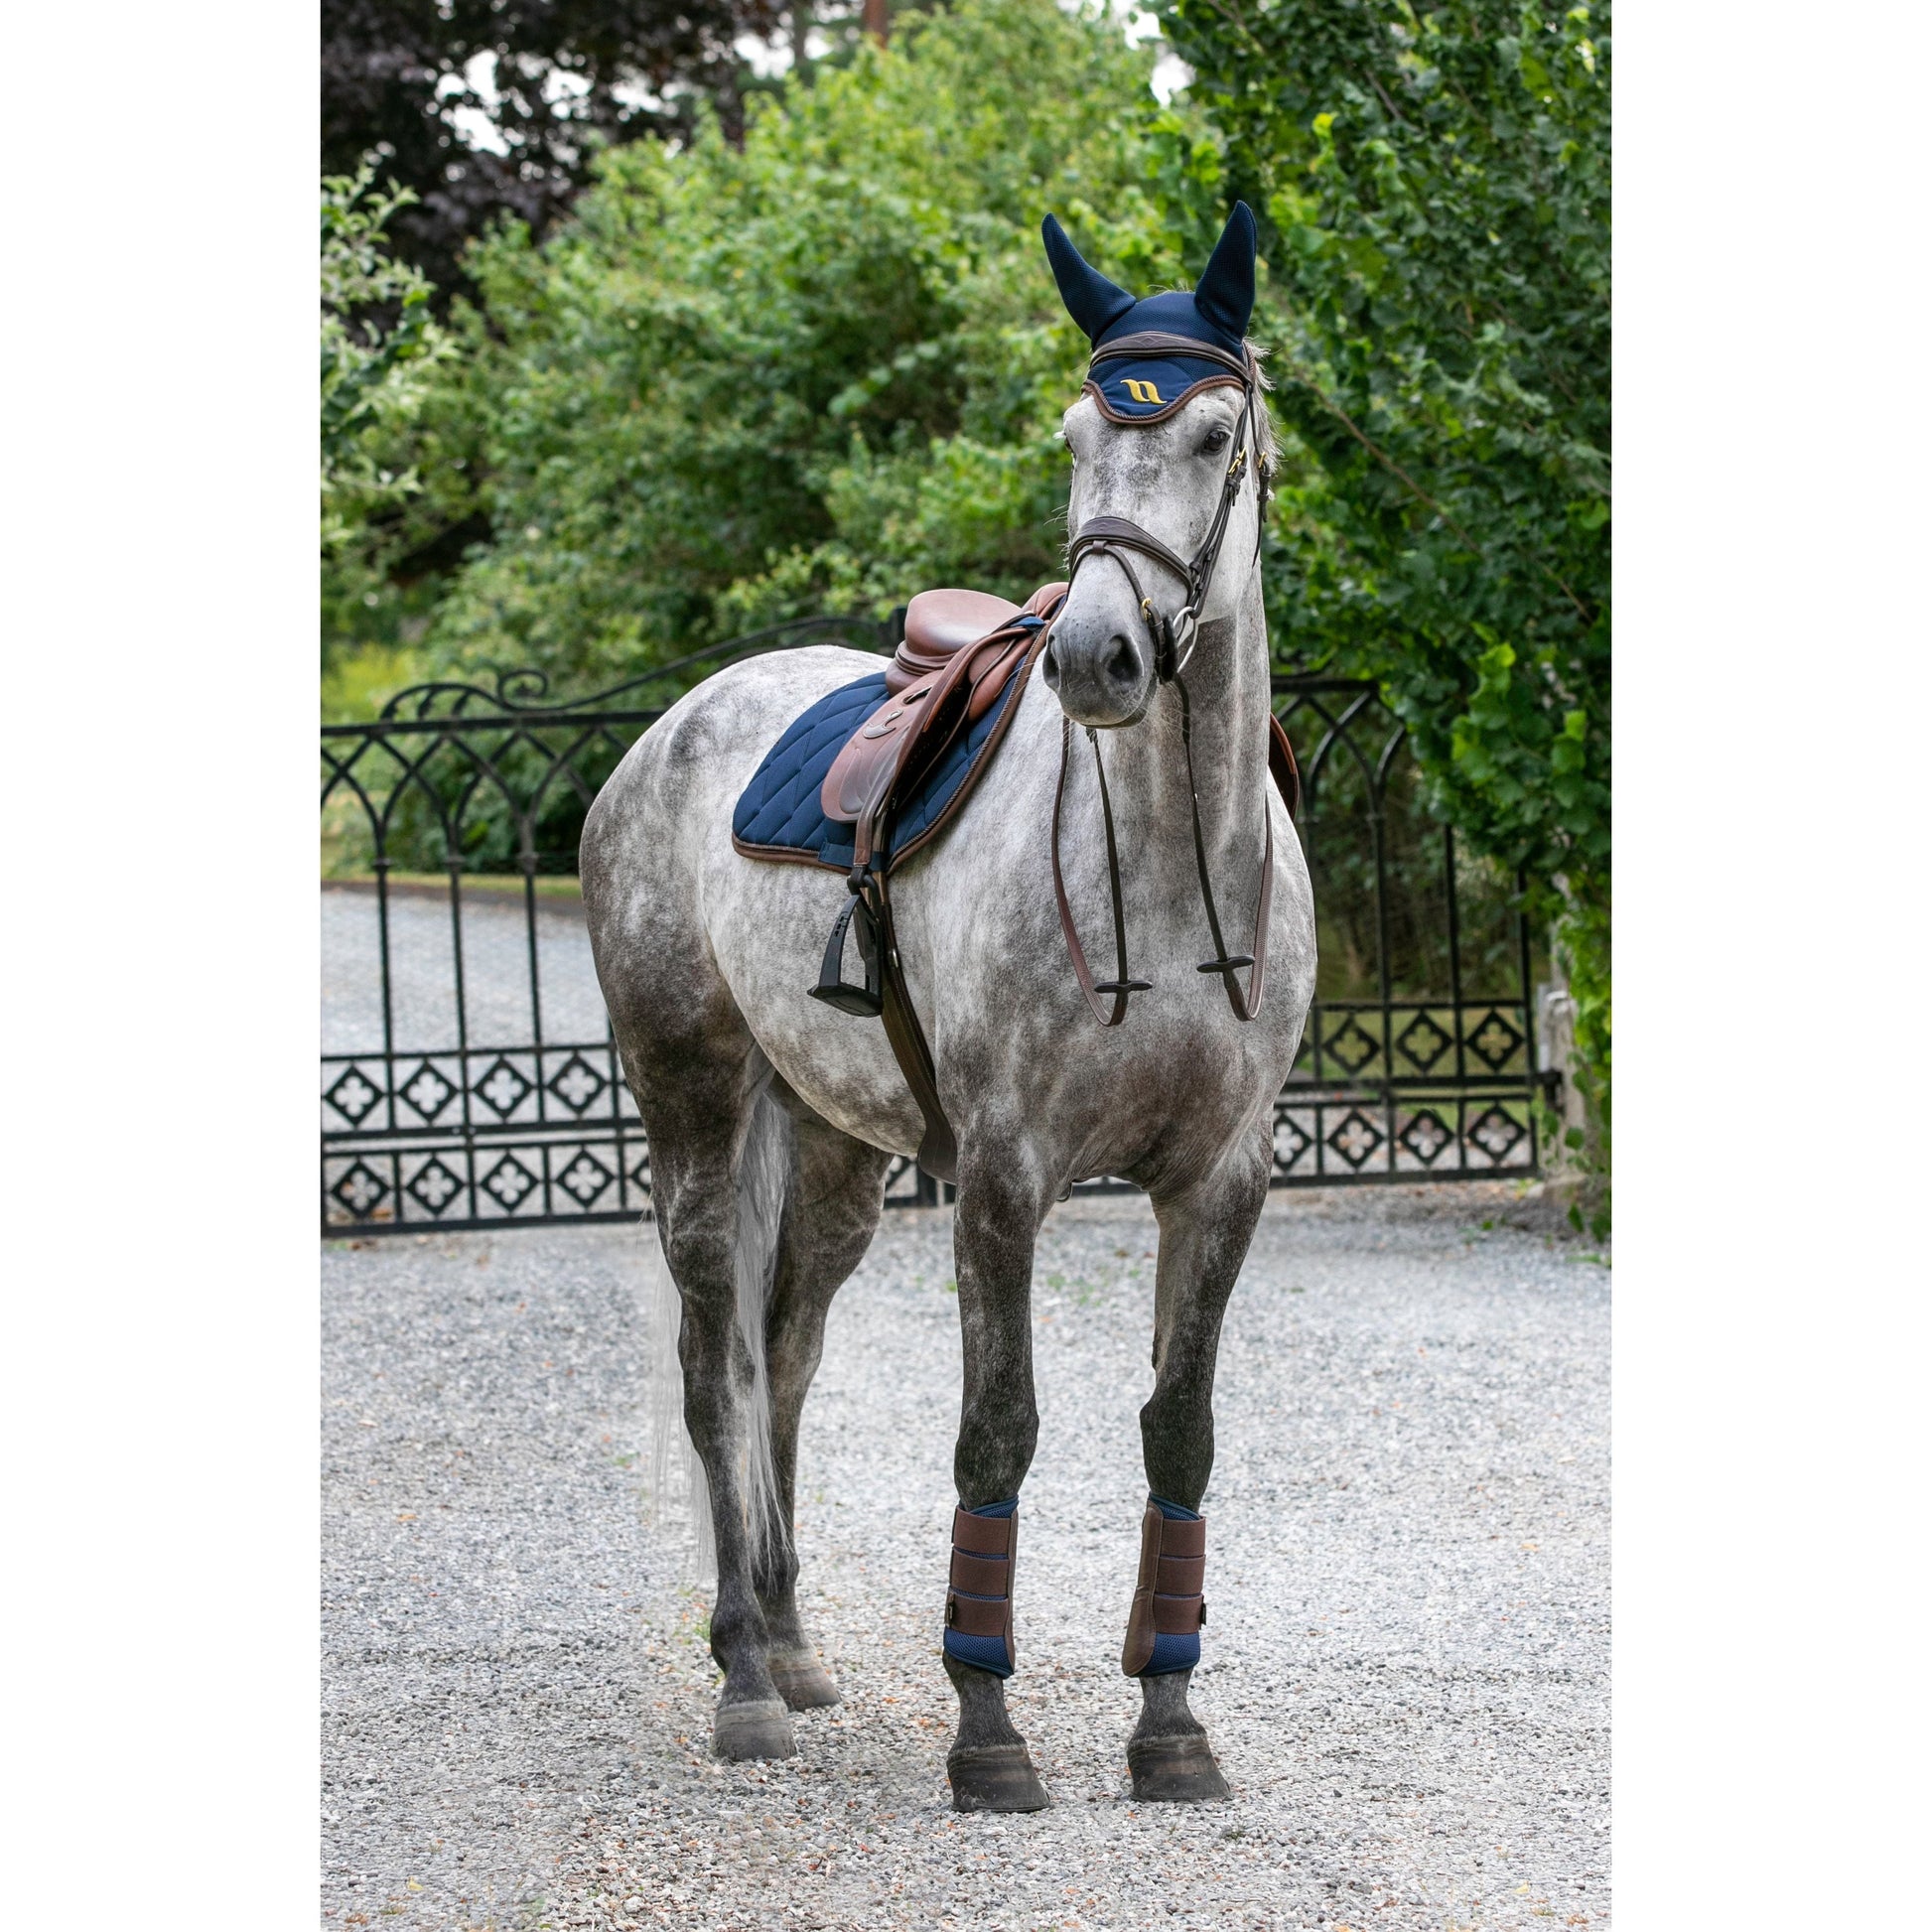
[764, 1170]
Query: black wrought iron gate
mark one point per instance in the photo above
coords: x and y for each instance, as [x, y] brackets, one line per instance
[467, 1074]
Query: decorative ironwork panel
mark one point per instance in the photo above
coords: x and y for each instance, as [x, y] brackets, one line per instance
[1343, 1137]
[1417, 1060]
[469, 1077]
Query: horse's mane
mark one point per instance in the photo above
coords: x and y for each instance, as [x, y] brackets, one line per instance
[1265, 428]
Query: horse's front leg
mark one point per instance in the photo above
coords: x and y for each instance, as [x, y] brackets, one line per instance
[1205, 1235]
[998, 1212]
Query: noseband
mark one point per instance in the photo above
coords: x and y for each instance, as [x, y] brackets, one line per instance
[1172, 639]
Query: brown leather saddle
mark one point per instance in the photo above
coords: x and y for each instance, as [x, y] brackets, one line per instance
[959, 651]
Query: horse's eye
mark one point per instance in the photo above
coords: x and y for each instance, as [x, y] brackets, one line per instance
[1216, 439]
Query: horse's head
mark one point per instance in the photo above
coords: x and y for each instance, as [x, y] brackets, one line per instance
[1169, 438]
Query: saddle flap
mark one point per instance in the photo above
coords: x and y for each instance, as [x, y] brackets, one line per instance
[864, 769]
[909, 731]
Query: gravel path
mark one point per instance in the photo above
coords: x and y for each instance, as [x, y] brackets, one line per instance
[1406, 1657]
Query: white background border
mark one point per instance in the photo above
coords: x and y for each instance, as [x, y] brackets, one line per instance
[1773, 1089]
[160, 962]
[1772, 1103]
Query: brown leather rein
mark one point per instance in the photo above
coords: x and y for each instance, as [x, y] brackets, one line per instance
[1173, 639]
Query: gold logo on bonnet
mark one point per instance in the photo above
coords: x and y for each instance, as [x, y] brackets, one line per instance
[1143, 391]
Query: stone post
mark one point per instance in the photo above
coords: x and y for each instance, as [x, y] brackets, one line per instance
[1566, 1179]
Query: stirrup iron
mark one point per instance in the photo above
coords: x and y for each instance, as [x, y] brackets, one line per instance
[866, 1001]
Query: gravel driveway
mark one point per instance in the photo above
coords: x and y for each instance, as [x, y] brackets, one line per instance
[1406, 1657]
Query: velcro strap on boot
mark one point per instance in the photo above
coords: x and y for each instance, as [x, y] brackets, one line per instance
[979, 1599]
[1164, 1622]
[980, 1575]
[983, 1536]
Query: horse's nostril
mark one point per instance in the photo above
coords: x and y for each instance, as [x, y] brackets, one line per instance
[1124, 666]
[1050, 664]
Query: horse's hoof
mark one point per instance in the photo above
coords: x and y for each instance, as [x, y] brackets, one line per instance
[995, 1777]
[805, 1685]
[1174, 1772]
[758, 1728]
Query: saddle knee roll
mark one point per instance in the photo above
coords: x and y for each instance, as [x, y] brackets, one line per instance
[1164, 1624]
[979, 1596]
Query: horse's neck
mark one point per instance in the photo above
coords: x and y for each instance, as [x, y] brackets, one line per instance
[1228, 698]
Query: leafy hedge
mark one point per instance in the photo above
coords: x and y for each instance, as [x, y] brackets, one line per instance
[826, 370]
[1436, 185]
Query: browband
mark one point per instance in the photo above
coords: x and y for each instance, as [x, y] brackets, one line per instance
[1159, 341]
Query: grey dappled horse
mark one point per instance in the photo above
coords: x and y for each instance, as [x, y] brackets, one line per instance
[773, 1116]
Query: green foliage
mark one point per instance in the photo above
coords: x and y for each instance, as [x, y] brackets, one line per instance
[823, 371]
[378, 345]
[1436, 185]
[381, 356]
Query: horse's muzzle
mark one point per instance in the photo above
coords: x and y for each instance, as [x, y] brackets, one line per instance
[1103, 676]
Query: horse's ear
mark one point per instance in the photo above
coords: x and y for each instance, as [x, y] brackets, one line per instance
[1225, 293]
[1095, 303]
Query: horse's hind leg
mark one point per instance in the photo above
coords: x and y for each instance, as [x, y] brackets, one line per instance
[831, 1213]
[721, 1161]
[999, 1213]
[1205, 1235]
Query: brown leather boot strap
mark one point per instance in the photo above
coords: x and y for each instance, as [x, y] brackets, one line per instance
[1168, 1599]
[979, 1596]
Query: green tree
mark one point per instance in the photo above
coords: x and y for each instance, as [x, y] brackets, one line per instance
[393, 479]
[1436, 185]
[826, 368]
[379, 344]
[485, 106]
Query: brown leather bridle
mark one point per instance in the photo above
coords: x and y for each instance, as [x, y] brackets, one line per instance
[1172, 639]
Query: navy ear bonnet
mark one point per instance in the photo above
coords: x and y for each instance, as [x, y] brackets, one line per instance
[1151, 355]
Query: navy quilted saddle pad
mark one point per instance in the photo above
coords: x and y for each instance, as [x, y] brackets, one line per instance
[777, 815]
